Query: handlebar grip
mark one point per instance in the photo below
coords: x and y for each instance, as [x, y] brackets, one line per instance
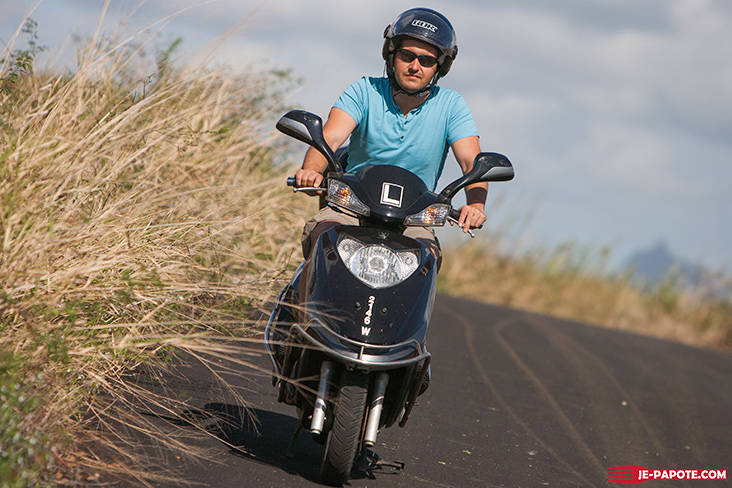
[455, 214]
[291, 181]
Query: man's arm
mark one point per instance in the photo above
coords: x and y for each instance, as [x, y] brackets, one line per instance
[336, 130]
[472, 215]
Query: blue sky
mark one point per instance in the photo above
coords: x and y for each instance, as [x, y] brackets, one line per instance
[617, 114]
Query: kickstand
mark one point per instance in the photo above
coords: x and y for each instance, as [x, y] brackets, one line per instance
[290, 451]
[370, 461]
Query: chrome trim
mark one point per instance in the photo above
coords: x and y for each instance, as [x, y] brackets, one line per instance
[316, 425]
[356, 354]
[375, 409]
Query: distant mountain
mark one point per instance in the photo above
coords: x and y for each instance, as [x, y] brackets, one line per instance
[652, 266]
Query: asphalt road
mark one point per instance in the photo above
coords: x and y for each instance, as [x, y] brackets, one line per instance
[516, 400]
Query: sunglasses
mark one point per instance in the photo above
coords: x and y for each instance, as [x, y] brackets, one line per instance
[408, 56]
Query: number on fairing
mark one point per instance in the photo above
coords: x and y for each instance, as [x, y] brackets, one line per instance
[366, 330]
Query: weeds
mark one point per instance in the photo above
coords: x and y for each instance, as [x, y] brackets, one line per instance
[20, 62]
[136, 222]
[25, 453]
[573, 283]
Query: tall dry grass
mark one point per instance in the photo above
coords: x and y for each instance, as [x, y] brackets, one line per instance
[141, 214]
[573, 282]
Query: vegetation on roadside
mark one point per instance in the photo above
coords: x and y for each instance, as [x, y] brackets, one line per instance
[142, 214]
[574, 283]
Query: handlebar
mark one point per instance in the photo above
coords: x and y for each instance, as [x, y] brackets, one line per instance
[454, 213]
[455, 217]
[291, 182]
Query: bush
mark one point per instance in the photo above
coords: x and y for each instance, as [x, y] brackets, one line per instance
[140, 216]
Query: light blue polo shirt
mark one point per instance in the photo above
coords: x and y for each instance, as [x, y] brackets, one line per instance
[418, 142]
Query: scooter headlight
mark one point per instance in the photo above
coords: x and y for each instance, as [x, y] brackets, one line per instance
[435, 214]
[341, 194]
[377, 265]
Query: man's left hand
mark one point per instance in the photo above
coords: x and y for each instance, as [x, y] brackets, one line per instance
[471, 217]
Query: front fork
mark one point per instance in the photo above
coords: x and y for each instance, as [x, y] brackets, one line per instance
[375, 408]
[326, 372]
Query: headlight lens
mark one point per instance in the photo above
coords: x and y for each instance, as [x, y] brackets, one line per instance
[435, 214]
[377, 265]
[341, 194]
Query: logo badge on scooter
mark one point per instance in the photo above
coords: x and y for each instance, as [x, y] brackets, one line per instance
[391, 194]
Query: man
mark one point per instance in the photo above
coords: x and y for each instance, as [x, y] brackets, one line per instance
[403, 119]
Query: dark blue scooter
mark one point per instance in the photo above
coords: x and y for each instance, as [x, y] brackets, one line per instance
[350, 352]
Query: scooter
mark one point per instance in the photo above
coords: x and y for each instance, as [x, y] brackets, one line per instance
[350, 352]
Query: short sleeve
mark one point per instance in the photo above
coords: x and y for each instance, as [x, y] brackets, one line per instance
[354, 101]
[461, 123]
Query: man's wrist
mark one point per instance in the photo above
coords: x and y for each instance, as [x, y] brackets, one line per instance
[479, 205]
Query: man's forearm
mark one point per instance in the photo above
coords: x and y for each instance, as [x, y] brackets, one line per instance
[315, 161]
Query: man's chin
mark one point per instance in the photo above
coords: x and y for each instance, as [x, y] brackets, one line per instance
[413, 87]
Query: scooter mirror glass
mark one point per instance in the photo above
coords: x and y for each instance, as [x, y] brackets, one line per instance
[308, 128]
[301, 126]
[486, 167]
[498, 167]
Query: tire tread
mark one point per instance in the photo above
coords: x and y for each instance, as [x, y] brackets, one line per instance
[343, 439]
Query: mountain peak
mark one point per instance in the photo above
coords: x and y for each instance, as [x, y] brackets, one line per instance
[655, 263]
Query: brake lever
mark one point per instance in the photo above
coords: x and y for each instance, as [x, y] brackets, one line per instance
[453, 220]
[295, 189]
[309, 188]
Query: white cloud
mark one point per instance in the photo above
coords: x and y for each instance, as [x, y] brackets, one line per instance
[628, 160]
[590, 99]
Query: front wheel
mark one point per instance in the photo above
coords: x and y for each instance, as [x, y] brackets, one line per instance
[344, 436]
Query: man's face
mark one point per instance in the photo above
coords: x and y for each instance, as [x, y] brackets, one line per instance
[412, 76]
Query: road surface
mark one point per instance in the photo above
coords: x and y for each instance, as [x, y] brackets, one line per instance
[516, 400]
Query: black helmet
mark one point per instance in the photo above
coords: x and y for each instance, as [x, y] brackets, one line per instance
[425, 25]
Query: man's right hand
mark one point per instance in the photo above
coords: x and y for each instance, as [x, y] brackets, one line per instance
[309, 178]
[336, 130]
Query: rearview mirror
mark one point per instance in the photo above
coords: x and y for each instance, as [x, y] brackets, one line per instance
[487, 166]
[308, 128]
[499, 167]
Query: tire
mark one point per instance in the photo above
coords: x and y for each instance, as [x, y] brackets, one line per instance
[343, 439]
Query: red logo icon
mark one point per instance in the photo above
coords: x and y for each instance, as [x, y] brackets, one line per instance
[628, 475]
[632, 474]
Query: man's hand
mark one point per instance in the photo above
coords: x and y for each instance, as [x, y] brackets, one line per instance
[471, 216]
[309, 178]
[335, 131]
